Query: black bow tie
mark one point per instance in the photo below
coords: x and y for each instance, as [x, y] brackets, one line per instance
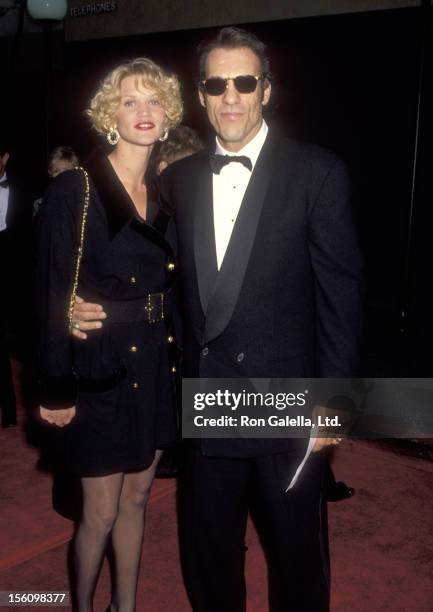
[219, 161]
[4, 183]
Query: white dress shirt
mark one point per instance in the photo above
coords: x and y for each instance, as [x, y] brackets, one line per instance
[4, 201]
[229, 187]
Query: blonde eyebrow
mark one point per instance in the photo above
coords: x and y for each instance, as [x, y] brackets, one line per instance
[134, 95]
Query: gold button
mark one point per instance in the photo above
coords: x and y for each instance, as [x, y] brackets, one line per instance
[133, 349]
[133, 280]
[171, 266]
[135, 385]
[170, 339]
[173, 369]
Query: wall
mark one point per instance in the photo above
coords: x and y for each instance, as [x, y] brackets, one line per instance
[145, 16]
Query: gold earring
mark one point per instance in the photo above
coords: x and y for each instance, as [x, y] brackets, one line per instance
[113, 136]
[164, 135]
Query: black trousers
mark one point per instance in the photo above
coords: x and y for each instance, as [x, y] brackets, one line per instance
[215, 497]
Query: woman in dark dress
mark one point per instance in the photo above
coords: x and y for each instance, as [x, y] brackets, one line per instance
[112, 394]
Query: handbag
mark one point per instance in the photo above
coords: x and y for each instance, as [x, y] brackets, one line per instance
[86, 199]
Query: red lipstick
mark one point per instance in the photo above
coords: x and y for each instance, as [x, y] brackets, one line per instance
[144, 125]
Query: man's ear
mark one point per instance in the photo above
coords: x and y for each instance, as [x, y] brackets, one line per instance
[266, 91]
[201, 97]
[5, 158]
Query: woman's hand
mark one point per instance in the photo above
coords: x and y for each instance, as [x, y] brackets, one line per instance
[58, 417]
[86, 316]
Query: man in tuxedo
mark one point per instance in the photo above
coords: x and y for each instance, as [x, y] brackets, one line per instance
[270, 287]
[7, 221]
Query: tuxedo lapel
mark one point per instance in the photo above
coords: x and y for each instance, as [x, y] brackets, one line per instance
[204, 235]
[230, 278]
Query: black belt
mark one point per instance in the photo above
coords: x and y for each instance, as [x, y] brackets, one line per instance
[152, 308]
[99, 385]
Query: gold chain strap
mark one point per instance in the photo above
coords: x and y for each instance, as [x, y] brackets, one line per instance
[80, 246]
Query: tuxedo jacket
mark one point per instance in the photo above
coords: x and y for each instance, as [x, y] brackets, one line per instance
[15, 242]
[287, 300]
[20, 203]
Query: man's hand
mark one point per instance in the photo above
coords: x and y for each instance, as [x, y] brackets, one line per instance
[86, 317]
[322, 443]
[328, 435]
[57, 417]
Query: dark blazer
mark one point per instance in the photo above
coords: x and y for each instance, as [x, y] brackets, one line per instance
[287, 301]
[18, 218]
[124, 260]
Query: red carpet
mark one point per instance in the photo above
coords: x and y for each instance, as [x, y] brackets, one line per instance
[381, 540]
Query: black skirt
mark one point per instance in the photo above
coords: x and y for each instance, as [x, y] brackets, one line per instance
[119, 429]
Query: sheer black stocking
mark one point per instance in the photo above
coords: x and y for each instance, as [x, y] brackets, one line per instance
[113, 505]
[127, 536]
[100, 507]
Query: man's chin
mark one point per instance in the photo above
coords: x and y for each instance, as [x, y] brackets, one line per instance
[230, 137]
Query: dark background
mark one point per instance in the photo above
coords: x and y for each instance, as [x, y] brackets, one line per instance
[350, 83]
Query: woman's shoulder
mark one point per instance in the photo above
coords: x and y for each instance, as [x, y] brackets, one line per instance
[66, 182]
[65, 193]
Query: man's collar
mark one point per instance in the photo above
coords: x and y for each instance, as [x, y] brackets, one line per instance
[252, 149]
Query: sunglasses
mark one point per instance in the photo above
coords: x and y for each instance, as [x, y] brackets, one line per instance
[244, 84]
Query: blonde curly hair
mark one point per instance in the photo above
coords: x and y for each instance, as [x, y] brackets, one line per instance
[105, 102]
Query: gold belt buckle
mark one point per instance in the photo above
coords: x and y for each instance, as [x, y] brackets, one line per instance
[150, 307]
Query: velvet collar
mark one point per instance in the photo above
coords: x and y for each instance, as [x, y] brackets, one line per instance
[118, 206]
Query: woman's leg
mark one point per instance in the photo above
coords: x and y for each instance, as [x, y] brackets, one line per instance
[100, 508]
[127, 535]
